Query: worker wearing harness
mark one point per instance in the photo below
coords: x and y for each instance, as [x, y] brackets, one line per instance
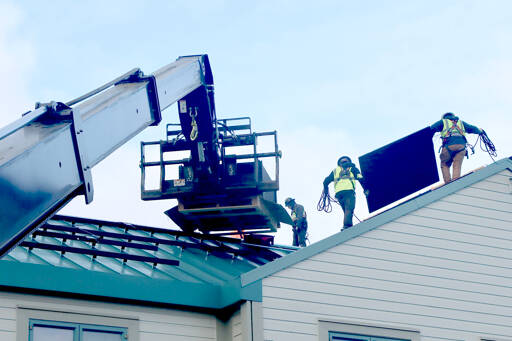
[344, 177]
[453, 133]
[300, 222]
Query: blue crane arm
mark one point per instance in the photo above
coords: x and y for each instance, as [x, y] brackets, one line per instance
[46, 156]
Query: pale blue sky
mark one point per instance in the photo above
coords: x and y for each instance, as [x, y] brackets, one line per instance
[332, 77]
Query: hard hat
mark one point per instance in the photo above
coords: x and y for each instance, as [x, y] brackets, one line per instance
[288, 201]
[343, 157]
[449, 116]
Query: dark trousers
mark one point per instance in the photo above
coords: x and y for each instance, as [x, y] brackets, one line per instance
[347, 200]
[299, 233]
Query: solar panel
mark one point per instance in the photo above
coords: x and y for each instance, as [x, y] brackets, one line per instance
[399, 169]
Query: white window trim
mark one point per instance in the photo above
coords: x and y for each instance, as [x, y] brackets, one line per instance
[373, 329]
[23, 316]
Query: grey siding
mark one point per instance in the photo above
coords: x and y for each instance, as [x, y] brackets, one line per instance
[444, 269]
[236, 323]
[154, 324]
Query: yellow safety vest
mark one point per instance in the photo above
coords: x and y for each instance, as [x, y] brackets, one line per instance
[452, 129]
[344, 179]
[294, 215]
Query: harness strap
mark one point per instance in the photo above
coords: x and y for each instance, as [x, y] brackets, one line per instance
[456, 126]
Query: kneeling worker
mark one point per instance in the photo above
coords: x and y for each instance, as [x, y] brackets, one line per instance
[344, 177]
[300, 223]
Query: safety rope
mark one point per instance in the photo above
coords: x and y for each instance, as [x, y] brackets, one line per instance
[324, 204]
[486, 145]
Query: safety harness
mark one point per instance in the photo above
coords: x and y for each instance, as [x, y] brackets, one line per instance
[452, 128]
[344, 174]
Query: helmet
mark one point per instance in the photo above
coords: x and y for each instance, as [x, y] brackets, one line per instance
[289, 201]
[343, 157]
[449, 116]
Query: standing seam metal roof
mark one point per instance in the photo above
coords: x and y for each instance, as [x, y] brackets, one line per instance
[118, 260]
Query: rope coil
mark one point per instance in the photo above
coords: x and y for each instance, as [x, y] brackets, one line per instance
[324, 204]
[486, 145]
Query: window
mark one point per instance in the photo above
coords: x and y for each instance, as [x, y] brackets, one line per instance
[40, 330]
[335, 336]
[356, 331]
[48, 325]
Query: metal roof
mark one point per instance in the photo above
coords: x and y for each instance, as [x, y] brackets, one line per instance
[118, 260]
[256, 275]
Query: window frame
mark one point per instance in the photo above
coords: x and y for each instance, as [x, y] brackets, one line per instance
[371, 331]
[78, 328]
[27, 317]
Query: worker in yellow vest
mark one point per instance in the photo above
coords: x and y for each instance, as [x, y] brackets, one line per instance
[300, 222]
[453, 133]
[344, 177]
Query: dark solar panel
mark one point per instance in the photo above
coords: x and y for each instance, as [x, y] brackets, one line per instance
[400, 168]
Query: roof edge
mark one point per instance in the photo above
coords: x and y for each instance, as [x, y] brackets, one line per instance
[108, 285]
[277, 265]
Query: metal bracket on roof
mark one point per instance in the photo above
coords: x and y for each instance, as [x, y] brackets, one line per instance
[154, 103]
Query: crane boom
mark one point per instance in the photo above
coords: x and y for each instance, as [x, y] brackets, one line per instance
[46, 156]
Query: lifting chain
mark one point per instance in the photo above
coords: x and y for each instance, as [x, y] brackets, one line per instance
[194, 132]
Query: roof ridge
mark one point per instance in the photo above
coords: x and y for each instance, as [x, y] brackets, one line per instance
[407, 207]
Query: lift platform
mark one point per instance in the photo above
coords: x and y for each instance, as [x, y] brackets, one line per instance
[232, 194]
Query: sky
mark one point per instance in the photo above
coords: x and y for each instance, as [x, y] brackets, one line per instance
[331, 77]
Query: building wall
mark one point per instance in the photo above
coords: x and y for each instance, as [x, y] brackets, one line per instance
[154, 324]
[444, 270]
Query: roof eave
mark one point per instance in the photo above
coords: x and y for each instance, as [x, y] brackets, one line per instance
[122, 287]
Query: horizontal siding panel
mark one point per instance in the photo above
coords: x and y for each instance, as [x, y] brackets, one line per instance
[443, 223]
[486, 194]
[8, 325]
[359, 313]
[428, 228]
[501, 261]
[479, 202]
[499, 186]
[489, 213]
[168, 337]
[416, 264]
[501, 177]
[304, 328]
[347, 285]
[464, 218]
[7, 335]
[389, 271]
[487, 254]
[178, 317]
[8, 313]
[276, 335]
[389, 303]
[171, 328]
[393, 283]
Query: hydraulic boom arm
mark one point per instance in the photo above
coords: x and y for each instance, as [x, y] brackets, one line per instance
[46, 156]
